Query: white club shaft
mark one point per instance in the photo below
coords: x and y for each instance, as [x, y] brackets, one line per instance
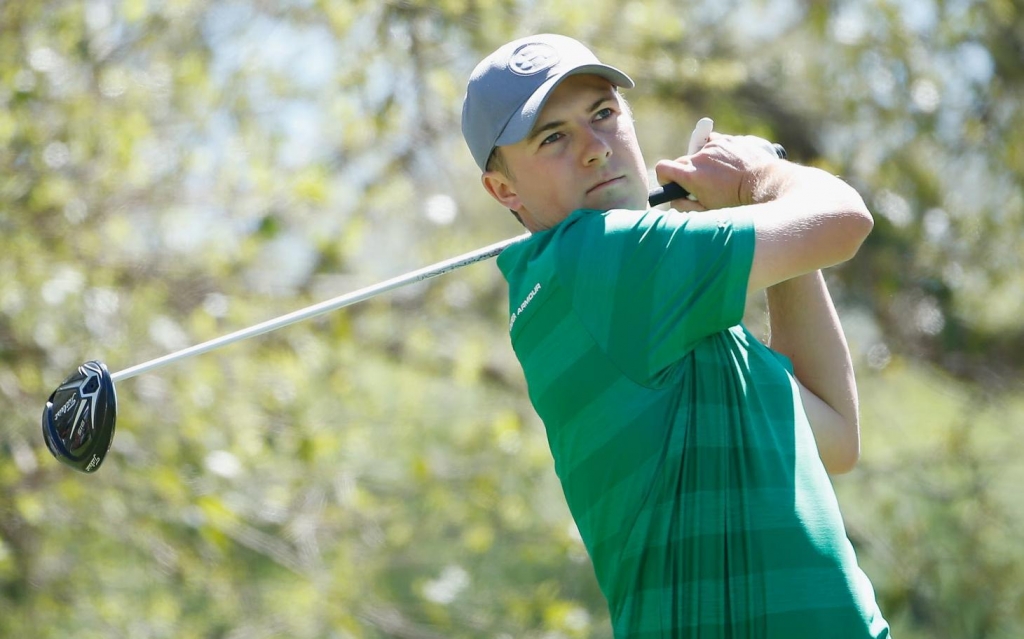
[333, 304]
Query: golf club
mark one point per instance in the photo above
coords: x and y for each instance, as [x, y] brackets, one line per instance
[79, 417]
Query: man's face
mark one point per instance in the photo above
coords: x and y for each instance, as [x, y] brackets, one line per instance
[582, 154]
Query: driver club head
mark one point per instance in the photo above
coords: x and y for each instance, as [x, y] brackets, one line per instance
[78, 419]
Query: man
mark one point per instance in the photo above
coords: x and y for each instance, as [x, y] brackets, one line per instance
[693, 458]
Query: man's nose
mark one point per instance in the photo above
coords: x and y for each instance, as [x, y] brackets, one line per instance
[596, 148]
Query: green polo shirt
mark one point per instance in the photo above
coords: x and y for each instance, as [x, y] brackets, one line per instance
[680, 440]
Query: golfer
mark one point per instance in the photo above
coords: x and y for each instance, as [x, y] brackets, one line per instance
[695, 460]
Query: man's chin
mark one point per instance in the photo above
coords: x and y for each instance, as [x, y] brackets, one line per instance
[616, 199]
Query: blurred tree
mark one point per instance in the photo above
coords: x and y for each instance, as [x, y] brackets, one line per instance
[173, 171]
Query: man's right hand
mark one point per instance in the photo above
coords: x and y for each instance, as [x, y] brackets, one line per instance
[804, 218]
[728, 171]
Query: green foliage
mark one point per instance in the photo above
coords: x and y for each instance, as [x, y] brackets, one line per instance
[934, 508]
[173, 171]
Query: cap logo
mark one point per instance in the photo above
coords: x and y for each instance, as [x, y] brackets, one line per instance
[533, 58]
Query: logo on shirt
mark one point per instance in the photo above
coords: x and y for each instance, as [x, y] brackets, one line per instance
[522, 307]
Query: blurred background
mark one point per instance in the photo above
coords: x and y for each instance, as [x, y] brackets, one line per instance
[173, 171]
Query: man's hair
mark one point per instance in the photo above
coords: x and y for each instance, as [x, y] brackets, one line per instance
[496, 162]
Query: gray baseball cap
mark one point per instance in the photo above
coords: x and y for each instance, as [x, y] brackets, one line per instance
[508, 89]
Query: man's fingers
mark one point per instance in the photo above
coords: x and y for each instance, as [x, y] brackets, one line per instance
[674, 171]
[685, 205]
[677, 171]
[719, 174]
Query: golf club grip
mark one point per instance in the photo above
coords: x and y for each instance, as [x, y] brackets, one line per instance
[672, 191]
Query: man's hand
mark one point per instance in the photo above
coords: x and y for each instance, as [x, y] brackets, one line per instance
[804, 219]
[728, 171]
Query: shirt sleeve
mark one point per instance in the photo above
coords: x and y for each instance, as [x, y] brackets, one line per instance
[649, 285]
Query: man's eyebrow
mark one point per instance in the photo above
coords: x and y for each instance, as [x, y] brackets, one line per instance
[555, 124]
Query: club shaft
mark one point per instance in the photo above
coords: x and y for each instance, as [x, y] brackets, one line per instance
[657, 196]
[327, 306]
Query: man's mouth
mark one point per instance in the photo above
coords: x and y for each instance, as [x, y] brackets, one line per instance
[601, 185]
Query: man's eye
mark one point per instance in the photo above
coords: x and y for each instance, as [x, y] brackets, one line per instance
[554, 137]
[603, 114]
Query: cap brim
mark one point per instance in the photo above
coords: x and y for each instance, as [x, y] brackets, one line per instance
[521, 123]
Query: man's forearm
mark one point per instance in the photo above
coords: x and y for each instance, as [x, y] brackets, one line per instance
[805, 327]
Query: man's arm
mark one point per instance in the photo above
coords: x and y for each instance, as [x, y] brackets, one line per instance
[805, 220]
[805, 327]
[817, 220]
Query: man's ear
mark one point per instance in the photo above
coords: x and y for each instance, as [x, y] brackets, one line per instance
[501, 189]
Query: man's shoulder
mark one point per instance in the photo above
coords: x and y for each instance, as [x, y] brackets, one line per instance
[541, 242]
[587, 242]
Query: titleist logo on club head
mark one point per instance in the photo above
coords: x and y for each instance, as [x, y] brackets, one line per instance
[68, 405]
[93, 463]
[533, 58]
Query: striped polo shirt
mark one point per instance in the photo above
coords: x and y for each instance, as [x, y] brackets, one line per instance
[680, 440]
